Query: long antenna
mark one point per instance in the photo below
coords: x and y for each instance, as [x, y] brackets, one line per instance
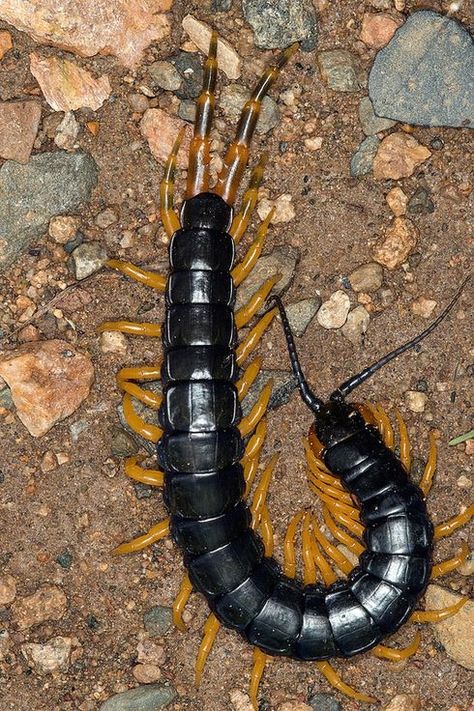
[313, 402]
[356, 380]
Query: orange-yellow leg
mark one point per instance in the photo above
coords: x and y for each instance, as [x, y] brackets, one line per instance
[318, 467]
[151, 433]
[447, 566]
[256, 441]
[327, 573]
[341, 535]
[199, 151]
[260, 660]
[335, 506]
[448, 527]
[242, 218]
[342, 562]
[146, 373]
[261, 492]
[247, 312]
[211, 629]
[266, 529]
[252, 339]
[335, 680]
[155, 281]
[309, 565]
[397, 655]
[237, 154]
[331, 491]
[152, 477]
[430, 467]
[387, 429]
[248, 378]
[131, 328]
[405, 447]
[248, 423]
[250, 472]
[169, 217]
[289, 565]
[353, 526]
[241, 271]
[180, 602]
[438, 615]
[156, 533]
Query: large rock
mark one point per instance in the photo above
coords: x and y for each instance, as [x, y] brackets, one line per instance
[142, 698]
[279, 23]
[425, 75]
[30, 195]
[456, 633]
[123, 28]
[19, 121]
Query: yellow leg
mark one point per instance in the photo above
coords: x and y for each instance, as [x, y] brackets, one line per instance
[132, 328]
[309, 566]
[447, 566]
[405, 448]
[255, 443]
[430, 468]
[331, 551]
[397, 655]
[341, 535]
[438, 615]
[327, 573]
[334, 505]
[152, 400]
[181, 601]
[250, 472]
[152, 477]
[248, 378]
[156, 533]
[244, 315]
[254, 336]
[331, 491]
[151, 433]
[248, 423]
[261, 492]
[266, 529]
[448, 527]
[146, 373]
[242, 218]
[260, 660]
[241, 271]
[387, 429]
[335, 680]
[211, 629]
[155, 281]
[289, 566]
[318, 468]
[169, 217]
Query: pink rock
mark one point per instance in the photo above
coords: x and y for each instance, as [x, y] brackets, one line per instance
[123, 28]
[6, 43]
[378, 29]
[19, 121]
[398, 156]
[160, 130]
[48, 382]
[200, 33]
[67, 87]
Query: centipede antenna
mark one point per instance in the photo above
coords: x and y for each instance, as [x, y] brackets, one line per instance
[343, 390]
[314, 403]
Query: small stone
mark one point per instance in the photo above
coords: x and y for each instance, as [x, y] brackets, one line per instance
[106, 218]
[6, 43]
[48, 462]
[437, 143]
[423, 307]
[232, 100]
[367, 277]
[221, 5]
[19, 121]
[420, 202]
[279, 23]
[87, 259]
[190, 69]
[47, 603]
[65, 559]
[158, 620]
[187, 110]
[240, 701]
[138, 103]
[324, 702]
[165, 75]
[122, 444]
[67, 133]
[415, 400]
[456, 633]
[333, 313]
[467, 568]
[313, 144]
[142, 698]
[29, 333]
[62, 228]
[398, 156]
[363, 159]
[464, 482]
[5, 641]
[284, 210]
[399, 240]
[341, 70]
[160, 130]
[149, 652]
[50, 657]
[7, 589]
[67, 87]
[227, 58]
[378, 29]
[294, 706]
[469, 449]
[356, 325]
[281, 261]
[302, 313]
[113, 342]
[146, 673]
[372, 124]
[397, 201]
[404, 702]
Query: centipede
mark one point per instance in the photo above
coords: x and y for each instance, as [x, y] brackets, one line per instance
[214, 487]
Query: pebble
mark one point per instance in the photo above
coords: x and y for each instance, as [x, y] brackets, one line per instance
[378, 29]
[370, 122]
[165, 75]
[67, 133]
[19, 122]
[469, 447]
[415, 400]
[113, 342]
[282, 261]
[87, 259]
[6, 43]
[284, 210]
[456, 633]
[149, 652]
[106, 218]
[356, 325]
[62, 228]
[65, 559]
[341, 70]
[160, 130]
[187, 110]
[122, 443]
[314, 144]
[234, 96]
[432, 86]
[227, 58]
[279, 23]
[30, 195]
[397, 201]
[399, 240]
[423, 307]
[146, 673]
[464, 482]
[53, 656]
[5, 641]
[48, 380]
[190, 68]
[398, 156]
[363, 159]
[324, 702]
[467, 568]
[294, 706]
[48, 462]
[88, 27]
[47, 603]
[367, 277]
[221, 5]
[7, 589]
[66, 86]
[142, 698]
[138, 102]
[404, 702]
[420, 202]
[158, 620]
[240, 701]
[301, 313]
[333, 313]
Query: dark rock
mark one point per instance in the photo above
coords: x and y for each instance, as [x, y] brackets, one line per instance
[283, 386]
[324, 702]
[87, 259]
[372, 124]
[142, 491]
[279, 23]
[282, 260]
[363, 159]
[420, 202]
[221, 5]
[30, 195]
[187, 110]
[301, 313]
[425, 75]
[123, 445]
[190, 69]
[165, 75]
[158, 620]
[65, 560]
[151, 697]
[341, 70]
[436, 143]
[6, 399]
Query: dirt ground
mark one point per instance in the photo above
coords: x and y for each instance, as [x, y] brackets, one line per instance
[88, 506]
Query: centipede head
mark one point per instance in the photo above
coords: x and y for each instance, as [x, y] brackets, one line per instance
[206, 211]
[335, 421]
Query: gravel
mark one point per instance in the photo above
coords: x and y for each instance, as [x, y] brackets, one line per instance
[279, 23]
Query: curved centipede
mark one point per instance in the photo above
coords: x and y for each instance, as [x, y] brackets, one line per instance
[209, 454]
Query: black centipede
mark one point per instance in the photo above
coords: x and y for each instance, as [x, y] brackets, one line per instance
[208, 453]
